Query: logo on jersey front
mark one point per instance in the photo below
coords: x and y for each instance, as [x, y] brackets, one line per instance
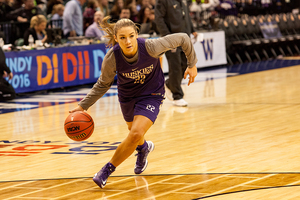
[139, 75]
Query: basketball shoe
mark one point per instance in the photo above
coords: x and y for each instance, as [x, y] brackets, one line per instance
[101, 177]
[180, 103]
[169, 94]
[141, 161]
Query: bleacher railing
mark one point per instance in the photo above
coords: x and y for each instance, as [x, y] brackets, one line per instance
[15, 30]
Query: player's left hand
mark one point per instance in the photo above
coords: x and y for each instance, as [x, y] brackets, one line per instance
[192, 72]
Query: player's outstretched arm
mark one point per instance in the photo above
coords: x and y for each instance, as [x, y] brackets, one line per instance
[78, 108]
[192, 72]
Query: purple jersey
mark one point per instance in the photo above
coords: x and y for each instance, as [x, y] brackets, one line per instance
[142, 78]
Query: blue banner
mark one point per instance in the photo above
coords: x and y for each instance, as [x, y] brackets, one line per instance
[55, 67]
[270, 30]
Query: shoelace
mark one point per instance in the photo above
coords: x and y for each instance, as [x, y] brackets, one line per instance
[140, 157]
[107, 172]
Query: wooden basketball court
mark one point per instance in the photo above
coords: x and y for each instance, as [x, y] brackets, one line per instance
[237, 139]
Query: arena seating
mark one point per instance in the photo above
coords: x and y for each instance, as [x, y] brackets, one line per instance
[245, 41]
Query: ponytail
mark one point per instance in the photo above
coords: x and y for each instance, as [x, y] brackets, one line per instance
[109, 29]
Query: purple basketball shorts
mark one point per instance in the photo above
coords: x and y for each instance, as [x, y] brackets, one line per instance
[147, 106]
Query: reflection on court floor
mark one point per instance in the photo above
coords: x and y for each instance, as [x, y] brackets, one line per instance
[49, 99]
[159, 187]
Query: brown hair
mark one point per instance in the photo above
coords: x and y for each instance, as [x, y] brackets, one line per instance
[116, 9]
[57, 7]
[104, 9]
[112, 28]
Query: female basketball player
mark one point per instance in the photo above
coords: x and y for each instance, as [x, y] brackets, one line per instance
[140, 81]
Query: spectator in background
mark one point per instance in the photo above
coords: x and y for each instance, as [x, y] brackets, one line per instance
[4, 9]
[94, 29]
[172, 16]
[149, 27]
[280, 6]
[42, 4]
[249, 8]
[144, 15]
[153, 2]
[204, 13]
[89, 12]
[17, 4]
[24, 14]
[125, 13]
[72, 18]
[37, 29]
[51, 4]
[7, 92]
[58, 12]
[57, 17]
[226, 8]
[131, 4]
[103, 6]
[209, 6]
[116, 10]
[9, 2]
[266, 3]
[143, 3]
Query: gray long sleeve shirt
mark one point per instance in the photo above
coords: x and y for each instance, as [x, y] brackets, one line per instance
[155, 48]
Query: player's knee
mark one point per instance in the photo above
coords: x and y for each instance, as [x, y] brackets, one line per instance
[135, 135]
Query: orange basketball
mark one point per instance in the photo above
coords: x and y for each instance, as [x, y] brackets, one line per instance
[79, 126]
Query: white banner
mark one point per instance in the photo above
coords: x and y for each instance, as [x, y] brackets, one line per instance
[210, 50]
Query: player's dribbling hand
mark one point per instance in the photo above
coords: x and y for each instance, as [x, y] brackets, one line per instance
[78, 108]
[192, 72]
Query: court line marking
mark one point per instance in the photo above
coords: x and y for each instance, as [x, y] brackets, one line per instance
[58, 185]
[39, 198]
[191, 185]
[13, 185]
[294, 183]
[242, 184]
[268, 174]
[209, 173]
[96, 187]
[118, 193]
[140, 187]
[206, 197]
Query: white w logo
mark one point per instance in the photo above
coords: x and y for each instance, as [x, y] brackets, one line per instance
[208, 48]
